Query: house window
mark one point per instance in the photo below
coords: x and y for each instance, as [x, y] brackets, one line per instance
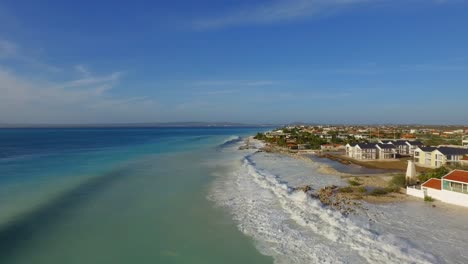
[457, 187]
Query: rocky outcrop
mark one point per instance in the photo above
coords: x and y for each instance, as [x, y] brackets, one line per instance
[305, 188]
[330, 196]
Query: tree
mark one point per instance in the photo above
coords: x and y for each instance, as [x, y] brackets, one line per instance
[436, 173]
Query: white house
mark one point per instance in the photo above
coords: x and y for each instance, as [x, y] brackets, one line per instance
[464, 161]
[404, 147]
[350, 150]
[386, 151]
[412, 146]
[451, 188]
[365, 151]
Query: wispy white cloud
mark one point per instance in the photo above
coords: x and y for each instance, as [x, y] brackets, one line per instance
[434, 67]
[112, 78]
[275, 11]
[456, 65]
[238, 83]
[7, 49]
[83, 70]
[83, 100]
[12, 51]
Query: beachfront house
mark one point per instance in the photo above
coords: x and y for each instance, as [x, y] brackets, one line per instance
[401, 147]
[435, 157]
[404, 147]
[450, 155]
[464, 161]
[451, 188]
[365, 151]
[412, 146]
[423, 156]
[386, 151]
[350, 149]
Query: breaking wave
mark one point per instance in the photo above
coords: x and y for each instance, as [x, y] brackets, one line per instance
[295, 228]
[230, 141]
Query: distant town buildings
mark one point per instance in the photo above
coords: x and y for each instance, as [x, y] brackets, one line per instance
[430, 146]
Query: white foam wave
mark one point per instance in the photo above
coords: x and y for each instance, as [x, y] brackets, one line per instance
[294, 228]
[231, 139]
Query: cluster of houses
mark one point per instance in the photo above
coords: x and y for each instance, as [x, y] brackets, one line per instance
[345, 132]
[433, 157]
[451, 188]
[388, 149]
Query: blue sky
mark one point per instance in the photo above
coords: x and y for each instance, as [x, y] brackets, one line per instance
[332, 61]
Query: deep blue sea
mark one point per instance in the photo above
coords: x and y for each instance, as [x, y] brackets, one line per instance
[116, 195]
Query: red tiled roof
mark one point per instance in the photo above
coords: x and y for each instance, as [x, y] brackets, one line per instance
[433, 183]
[465, 158]
[457, 175]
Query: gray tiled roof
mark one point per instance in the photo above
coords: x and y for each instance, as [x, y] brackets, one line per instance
[386, 146]
[453, 151]
[428, 149]
[366, 145]
[416, 143]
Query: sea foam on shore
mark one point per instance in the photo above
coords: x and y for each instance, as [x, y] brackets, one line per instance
[295, 228]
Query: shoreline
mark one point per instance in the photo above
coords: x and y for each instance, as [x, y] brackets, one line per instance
[378, 187]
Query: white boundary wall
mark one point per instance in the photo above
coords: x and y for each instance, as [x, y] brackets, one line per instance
[414, 192]
[441, 195]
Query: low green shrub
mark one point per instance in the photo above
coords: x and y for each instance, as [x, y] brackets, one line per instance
[345, 190]
[362, 189]
[393, 188]
[379, 191]
[399, 180]
[354, 183]
[428, 199]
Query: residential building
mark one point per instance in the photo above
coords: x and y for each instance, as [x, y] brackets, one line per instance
[386, 151]
[412, 146]
[404, 147]
[464, 161]
[350, 150]
[423, 156]
[451, 188]
[435, 157]
[365, 151]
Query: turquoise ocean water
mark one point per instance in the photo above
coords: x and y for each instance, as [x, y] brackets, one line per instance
[121, 195]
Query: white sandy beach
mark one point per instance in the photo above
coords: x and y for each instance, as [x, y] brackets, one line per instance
[294, 228]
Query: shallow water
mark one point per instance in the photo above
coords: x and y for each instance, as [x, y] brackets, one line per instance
[136, 196]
